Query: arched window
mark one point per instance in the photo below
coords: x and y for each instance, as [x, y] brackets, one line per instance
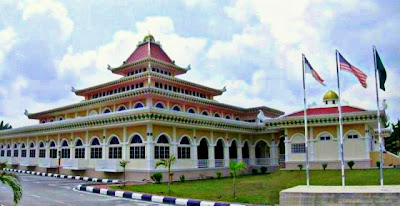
[219, 153]
[162, 148]
[325, 137]
[94, 112]
[160, 105]
[53, 150]
[107, 110]
[205, 113]
[245, 152]
[96, 151]
[115, 149]
[176, 108]
[137, 148]
[51, 120]
[79, 150]
[138, 105]
[237, 118]
[184, 148]
[8, 150]
[217, 115]
[227, 117]
[65, 151]
[191, 110]
[121, 108]
[42, 150]
[32, 150]
[23, 150]
[352, 135]
[44, 121]
[233, 150]
[15, 150]
[60, 118]
[2, 151]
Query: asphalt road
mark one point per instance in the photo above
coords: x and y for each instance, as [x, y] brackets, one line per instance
[38, 190]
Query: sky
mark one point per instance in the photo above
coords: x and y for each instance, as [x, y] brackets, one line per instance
[253, 48]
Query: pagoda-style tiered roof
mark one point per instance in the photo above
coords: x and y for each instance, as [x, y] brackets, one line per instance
[148, 50]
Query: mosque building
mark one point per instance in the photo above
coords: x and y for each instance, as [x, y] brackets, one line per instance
[150, 114]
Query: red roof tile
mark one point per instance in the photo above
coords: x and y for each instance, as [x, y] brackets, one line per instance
[141, 52]
[326, 110]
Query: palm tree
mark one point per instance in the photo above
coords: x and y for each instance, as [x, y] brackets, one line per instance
[235, 167]
[167, 163]
[123, 165]
[5, 126]
[12, 181]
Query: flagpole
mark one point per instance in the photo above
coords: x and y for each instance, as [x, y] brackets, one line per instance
[340, 121]
[379, 119]
[305, 125]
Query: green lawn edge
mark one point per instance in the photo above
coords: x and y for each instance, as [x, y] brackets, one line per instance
[263, 188]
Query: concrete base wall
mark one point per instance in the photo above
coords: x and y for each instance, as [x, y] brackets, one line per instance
[337, 195]
[142, 175]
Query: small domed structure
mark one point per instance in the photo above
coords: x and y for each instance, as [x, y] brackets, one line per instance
[330, 97]
[149, 38]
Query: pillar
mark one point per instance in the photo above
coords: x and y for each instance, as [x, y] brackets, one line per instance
[124, 144]
[252, 154]
[149, 147]
[174, 143]
[287, 148]
[104, 145]
[367, 142]
[226, 155]
[211, 158]
[87, 146]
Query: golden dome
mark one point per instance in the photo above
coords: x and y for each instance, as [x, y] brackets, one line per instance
[148, 37]
[330, 95]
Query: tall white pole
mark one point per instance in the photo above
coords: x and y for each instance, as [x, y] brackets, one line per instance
[305, 124]
[379, 117]
[340, 119]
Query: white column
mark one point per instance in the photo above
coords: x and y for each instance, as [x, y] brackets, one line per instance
[87, 146]
[211, 156]
[287, 149]
[311, 145]
[252, 155]
[149, 102]
[226, 155]
[150, 147]
[338, 141]
[174, 143]
[367, 142]
[72, 147]
[124, 144]
[104, 145]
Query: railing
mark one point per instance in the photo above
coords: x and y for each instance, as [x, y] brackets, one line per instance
[263, 161]
[108, 165]
[281, 157]
[48, 162]
[247, 161]
[202, 163]
[74, 164]
[219, 163]
[29, 162]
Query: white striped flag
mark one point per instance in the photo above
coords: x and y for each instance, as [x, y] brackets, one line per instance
[346, 66]
[310, 70]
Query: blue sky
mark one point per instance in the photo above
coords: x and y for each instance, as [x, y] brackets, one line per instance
[252, 47]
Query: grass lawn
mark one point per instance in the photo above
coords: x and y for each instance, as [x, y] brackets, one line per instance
[264, 189]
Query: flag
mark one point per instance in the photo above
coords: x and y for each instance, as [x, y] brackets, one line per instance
[310, 70]
[346, 66]
[381, 71]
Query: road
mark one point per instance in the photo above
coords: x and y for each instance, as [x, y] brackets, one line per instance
[38, 190]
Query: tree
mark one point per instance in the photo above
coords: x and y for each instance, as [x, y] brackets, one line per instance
[167, 163]
[11, 180]
[123, 164]
[392, 143]
[5, 126]
[235, 167]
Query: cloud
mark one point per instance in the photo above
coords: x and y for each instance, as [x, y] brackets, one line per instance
[7, 40]
[53, 9]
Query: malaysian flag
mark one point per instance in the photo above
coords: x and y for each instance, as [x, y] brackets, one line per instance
[310, 70]
[346, 66]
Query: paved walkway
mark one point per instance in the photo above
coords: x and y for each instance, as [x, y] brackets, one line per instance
[38, 190]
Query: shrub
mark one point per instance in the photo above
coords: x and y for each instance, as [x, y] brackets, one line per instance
[219, 174]
[263, 170]
[324, 166]
[350, 164]
[157, 177]
[300, 166]
[182, 178]
[254, 171]
[378, 164]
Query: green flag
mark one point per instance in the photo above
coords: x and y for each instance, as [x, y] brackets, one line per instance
[381, 71]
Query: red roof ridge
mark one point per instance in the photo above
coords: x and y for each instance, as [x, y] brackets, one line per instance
[326, 110]
[148, 49]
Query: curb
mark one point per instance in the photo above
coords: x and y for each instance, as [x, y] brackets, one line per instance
[89, 179]
[151, 198]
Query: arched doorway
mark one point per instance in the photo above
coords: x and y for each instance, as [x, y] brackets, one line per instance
[233, 150]
[202, 153]
[281, 147]
[219, 154]
[262, 153]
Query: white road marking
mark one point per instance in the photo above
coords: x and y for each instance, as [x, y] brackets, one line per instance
[35, 196]
[60, 202]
